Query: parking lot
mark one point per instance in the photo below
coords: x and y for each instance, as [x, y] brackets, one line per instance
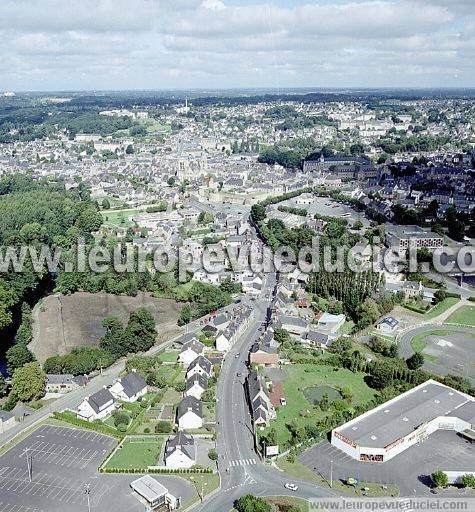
[410, 470]
[62, 461]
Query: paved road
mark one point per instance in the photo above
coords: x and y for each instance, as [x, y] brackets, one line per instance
[241, 469]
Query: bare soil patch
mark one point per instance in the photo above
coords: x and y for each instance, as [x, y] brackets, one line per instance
[63, 322]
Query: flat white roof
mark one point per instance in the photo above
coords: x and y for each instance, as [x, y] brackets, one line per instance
[402, 415]
[149, 488]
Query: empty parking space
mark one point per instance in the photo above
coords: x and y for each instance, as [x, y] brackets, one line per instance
[49, 471]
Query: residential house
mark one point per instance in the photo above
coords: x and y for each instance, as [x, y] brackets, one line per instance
[180, 451]
[262, 410]
[60, 383]
[189, 413]
[387, 325]
[294, 325]
[201, 365]
[196, 385]
[97, 406]
[190, 351]
[129, 388]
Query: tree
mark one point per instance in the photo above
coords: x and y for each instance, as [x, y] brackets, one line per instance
[381, 374]
[468, 480]
[17, 356]
[250, 503]
[3, 385]
[105, 204]
[29, 382]
[341, 345]
[416, 361]
[213, 454]
[129, 150]
[281, 335]
[258, 213]
[440, 479]
[440, 295]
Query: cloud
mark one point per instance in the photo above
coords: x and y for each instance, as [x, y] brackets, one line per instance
[201, 43]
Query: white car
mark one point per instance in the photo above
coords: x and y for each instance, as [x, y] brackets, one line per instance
[291, 487]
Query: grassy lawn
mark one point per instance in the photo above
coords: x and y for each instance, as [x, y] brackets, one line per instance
[169, 356]
[171, 397]
[464, 316]
[206, 482]
[136, 454]
[301, 376]
[118, 218]
[440, 308]
[300, 471]
[209, 412]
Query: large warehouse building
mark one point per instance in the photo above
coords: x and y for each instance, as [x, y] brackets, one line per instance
[384, 432]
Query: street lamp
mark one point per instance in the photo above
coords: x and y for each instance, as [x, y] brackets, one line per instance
[29, 463]
[87, 492]
[331, 473]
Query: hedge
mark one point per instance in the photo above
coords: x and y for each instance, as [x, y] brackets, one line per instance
[98, 427]
[206, 471]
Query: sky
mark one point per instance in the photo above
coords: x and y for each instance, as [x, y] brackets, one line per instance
[211, 44]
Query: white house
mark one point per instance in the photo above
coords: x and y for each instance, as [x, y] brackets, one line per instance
[180, 451]
[223, 342]
[196, 385]
[129, 388]
[97, 406]
[201, 365]
[189, 413]
[190, 351]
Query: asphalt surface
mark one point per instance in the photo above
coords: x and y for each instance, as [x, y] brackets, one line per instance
[453, 352]
[409, 470]
[62, 462]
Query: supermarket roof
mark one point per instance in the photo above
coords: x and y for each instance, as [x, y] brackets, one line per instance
[402, 415]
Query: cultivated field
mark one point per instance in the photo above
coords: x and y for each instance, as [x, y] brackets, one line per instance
[62, 322]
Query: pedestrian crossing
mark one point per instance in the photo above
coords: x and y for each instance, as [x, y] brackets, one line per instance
[243, 462]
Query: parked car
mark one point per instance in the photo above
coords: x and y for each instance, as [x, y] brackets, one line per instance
[291, 487]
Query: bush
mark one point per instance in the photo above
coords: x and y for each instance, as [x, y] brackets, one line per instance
[146, 430]
[162, 427]
[468, 481]
[122, 427]
[440, 479]
[213, 454]
[121, 418]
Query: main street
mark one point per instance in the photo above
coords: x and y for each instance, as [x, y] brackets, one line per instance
[241, 469]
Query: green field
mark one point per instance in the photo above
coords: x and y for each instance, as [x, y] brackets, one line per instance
[298, 408]
[118, 218]
[464, 316]
[136, 454]
[168, 356]
[438, 309]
